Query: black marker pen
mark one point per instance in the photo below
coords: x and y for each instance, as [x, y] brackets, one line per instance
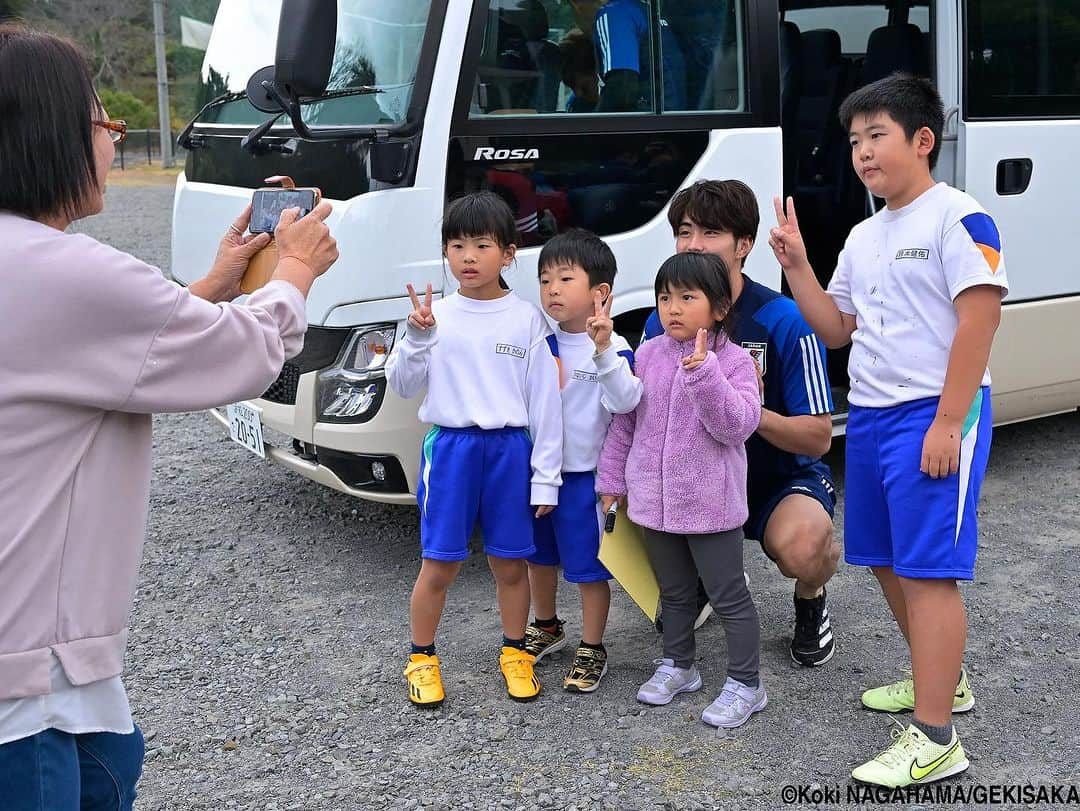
[609, 521]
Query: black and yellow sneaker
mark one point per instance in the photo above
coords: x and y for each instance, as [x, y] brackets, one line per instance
[540, 642]
[517, 668]
[425, 681]
[588, 668]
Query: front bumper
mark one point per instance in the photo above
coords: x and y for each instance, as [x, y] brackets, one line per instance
[344, 456]
[343, 471]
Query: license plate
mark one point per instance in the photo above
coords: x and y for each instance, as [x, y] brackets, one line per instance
[245, 427]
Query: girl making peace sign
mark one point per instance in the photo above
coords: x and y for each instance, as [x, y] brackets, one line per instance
[680, 460]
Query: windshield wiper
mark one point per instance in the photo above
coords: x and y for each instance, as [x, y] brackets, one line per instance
[251, 140]
[184, 139]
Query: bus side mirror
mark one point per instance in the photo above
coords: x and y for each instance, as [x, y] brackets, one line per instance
[307, 33]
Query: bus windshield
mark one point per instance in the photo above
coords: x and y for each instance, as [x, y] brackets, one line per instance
[378, 46]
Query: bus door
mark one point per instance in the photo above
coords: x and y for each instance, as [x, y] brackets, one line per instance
[828, 48]
[1019, 117]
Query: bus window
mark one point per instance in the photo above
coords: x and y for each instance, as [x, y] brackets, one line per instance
[852, 22]
[1023, 59]
[702, 63]
[543, 57]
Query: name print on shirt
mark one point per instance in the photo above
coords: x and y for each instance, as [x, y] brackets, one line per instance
[509, 349]
[913, 253]
[587, 377]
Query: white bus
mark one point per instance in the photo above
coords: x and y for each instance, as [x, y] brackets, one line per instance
[429, 99]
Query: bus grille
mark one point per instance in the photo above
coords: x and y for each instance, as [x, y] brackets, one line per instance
[283, 390]
[321, 348]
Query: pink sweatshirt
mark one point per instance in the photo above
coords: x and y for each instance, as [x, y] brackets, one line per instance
[680, 456]
[92, 342]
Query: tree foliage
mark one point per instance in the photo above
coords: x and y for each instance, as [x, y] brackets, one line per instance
[117, 35]
[118, 39]
[136, 112]
[11, 9]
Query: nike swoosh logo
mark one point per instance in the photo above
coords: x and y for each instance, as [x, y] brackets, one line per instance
[960, 694]
[918, 772]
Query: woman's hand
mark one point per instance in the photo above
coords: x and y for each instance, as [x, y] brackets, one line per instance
[222, 283]
[305, 247]
[307, 238]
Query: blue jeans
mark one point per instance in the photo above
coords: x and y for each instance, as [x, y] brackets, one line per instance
[57, 771]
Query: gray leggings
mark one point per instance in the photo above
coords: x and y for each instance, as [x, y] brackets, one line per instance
[717, 559]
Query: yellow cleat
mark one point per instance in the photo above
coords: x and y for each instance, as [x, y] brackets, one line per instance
[517, 668]
[425, 682]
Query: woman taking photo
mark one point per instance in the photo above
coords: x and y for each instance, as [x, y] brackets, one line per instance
[92, 343]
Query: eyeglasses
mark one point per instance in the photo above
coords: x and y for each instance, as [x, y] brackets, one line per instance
[117, 129]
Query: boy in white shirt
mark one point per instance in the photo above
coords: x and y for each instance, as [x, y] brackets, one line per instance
[917, 291]
[577, 270]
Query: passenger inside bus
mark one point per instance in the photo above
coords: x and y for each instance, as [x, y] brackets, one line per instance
[578, 70]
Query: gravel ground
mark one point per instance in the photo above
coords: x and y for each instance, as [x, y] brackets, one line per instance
[271, 621]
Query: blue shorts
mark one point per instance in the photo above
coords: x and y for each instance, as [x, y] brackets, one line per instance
[814, 481]
[469, 475]
[897, 516]
[570, 534]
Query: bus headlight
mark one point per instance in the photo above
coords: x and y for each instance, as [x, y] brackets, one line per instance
[352, 389]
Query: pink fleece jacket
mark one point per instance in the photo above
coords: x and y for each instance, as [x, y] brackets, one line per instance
[94, 342]
[680, 456]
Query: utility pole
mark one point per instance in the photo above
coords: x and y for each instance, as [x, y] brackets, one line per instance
[162, 85]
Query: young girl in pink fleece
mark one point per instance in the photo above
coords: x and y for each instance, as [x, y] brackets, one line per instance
[681, 461]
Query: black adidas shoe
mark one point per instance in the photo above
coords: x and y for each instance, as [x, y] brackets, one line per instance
[813, 643]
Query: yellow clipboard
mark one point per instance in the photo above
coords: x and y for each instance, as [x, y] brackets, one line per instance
[622, 551]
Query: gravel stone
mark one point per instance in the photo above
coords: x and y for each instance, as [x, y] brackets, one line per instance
[272, 613]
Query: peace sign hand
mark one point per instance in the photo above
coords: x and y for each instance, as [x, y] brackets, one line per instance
[599, 326]
[421, 317]
[701, 351]
[786, 239]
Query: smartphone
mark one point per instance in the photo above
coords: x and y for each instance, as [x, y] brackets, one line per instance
[267, 205]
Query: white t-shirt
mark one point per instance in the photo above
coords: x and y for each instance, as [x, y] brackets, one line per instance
[898, 275]
[487, 364]
[593, 388]
[101, 706]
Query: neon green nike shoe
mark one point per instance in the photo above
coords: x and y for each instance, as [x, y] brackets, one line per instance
[913, 759]
[900, 696]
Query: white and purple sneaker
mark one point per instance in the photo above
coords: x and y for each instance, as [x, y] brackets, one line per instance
[735, 704]
[667, 682]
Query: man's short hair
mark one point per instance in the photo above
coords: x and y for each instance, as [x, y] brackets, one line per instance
[585, 249]
[47, 100]
[723, 205]
[911, 101]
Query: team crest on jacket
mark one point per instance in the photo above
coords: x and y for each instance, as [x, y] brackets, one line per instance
[757, 352]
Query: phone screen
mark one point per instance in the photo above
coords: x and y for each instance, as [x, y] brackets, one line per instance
[267, 205]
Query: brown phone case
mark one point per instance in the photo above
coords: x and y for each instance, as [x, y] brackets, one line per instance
[262, 265]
